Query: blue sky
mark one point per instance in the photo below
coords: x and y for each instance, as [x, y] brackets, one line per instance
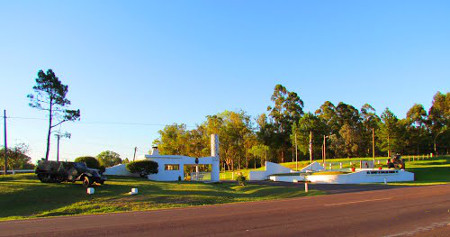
[161, 62]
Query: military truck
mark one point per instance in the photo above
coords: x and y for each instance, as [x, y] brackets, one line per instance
[62, 171]
[396, 162]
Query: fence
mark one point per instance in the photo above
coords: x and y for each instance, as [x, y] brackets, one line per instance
[371, 163]
[17, 171]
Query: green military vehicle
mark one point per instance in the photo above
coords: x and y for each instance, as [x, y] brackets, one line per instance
[62, 171]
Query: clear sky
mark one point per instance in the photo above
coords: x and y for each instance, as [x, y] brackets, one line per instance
[134, 66]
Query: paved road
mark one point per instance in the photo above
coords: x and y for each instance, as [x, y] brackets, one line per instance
[422, 211]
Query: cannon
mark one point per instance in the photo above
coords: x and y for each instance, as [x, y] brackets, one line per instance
[396, 162]
[63, 171]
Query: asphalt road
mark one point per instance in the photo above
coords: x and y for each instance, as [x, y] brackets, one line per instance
[416, 211]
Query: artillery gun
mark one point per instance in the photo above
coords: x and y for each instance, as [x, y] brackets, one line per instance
[61, 171]
[396, 162]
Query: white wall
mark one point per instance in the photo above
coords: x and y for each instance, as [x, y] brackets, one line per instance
[363, 176]
[287, 178]
[271, 168]
[119, 170]
[313, 167]
[172, 175]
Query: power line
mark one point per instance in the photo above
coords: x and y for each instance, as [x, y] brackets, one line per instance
[103, 122]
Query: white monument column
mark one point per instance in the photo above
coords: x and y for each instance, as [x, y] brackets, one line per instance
[215, 172]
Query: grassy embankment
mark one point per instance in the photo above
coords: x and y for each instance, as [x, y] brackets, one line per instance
[428, 171]
[23, 196]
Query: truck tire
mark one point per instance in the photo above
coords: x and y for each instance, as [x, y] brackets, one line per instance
[43, 177]
[87, 182]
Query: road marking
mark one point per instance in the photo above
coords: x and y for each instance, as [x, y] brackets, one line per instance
[347, 203]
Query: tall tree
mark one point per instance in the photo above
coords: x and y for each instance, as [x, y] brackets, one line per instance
[439, 119]
[417, 130]
[308, 124]
[287, 110]
[370, 121]
[390, 136]
[50, 96]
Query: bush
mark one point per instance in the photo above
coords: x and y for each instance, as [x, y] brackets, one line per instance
[241, 179]
[143, 167]
[90, 161]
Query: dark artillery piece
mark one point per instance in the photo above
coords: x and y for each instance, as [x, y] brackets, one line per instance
[60, 171]
[396, 162]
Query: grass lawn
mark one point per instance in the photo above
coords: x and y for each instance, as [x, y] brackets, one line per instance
[24, 196]
[429, 172]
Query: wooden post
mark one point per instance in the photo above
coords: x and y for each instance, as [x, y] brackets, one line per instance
[373, 144]
[296, 152]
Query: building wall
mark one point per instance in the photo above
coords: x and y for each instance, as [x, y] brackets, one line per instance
[172, 175]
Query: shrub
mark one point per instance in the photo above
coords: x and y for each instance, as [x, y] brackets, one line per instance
[241, 179]
[90, 161]
[143, 167]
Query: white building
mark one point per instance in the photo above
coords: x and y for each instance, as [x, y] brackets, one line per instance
[171, 167]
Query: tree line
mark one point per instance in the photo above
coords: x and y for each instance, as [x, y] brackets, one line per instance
[333, 130]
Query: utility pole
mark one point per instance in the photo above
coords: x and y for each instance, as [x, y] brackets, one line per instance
[296, 154]
[373, 145]
[58, 137]
[134, 156]
[310, 146]
[324, 148]
[5, 169]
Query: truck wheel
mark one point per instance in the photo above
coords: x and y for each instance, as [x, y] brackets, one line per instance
[43, 178]
[87, 181]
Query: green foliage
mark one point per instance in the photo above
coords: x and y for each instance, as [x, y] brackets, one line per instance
[90, 161]
[17, 157]
[241, 179]
[50, 96]
[143, 167]
[109, 158]
[348, 132]
[287, 109]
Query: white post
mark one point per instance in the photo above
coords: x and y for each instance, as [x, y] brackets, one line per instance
[306, 187]
[385, 181]
[340, 165]
[215, 171]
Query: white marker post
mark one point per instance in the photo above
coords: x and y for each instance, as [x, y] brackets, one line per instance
[134, 191]
[306, 187]
[90, 191]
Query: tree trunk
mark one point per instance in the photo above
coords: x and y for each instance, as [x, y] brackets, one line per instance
[50, 118]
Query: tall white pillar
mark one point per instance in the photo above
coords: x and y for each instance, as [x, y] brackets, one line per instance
[215, 171]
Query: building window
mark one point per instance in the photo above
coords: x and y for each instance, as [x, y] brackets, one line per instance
[172, 167]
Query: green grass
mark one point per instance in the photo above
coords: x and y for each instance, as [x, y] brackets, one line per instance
[429, 172]
[23, 196]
